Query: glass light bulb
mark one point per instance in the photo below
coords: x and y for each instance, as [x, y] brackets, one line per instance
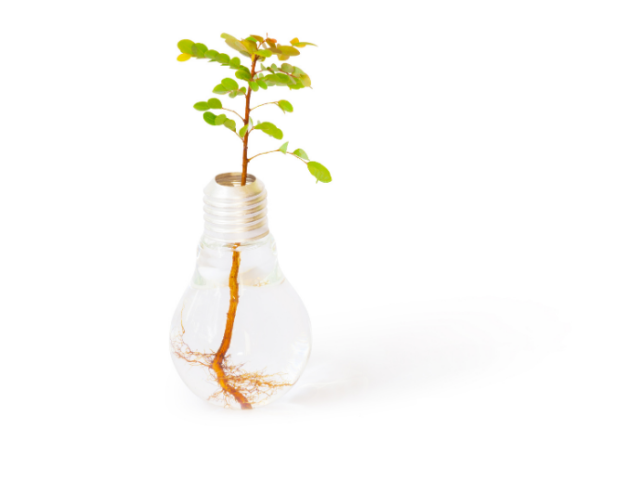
[240, 336]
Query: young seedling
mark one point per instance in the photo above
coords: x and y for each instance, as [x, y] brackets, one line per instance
[257, 49]
[238, 386]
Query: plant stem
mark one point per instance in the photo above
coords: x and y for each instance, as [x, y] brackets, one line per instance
[247, 111]
[263, 104]
[263, 153]
[274, 151]
[216, 365]
[233, 111]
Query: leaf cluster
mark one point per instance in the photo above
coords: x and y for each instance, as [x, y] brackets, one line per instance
[228, 86]
[270, 129]
[316, 169]
[258, 49]
[255, 45]
[286, 75]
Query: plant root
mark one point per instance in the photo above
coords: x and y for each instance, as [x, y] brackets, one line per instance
[236, 384]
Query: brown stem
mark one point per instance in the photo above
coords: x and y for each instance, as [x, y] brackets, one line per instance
[216, 365]
[247, 110]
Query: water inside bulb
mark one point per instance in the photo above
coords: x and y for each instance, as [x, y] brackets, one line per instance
[240, 335]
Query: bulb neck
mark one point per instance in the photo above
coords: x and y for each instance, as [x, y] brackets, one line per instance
[235, 214]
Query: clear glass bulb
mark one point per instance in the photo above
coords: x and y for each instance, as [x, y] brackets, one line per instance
[240, 336]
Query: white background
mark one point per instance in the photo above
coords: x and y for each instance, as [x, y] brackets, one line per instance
[472, 273]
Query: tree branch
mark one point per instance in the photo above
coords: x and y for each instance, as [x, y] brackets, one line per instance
[247, 111]
[263, 104]
[233, 111]
[274, 151]
[263, 153]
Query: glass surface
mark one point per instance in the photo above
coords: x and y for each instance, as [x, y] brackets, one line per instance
[270, 341]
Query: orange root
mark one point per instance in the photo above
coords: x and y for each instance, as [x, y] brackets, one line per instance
[245, 388]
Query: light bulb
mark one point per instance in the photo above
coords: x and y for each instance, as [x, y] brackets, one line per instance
[240, 336]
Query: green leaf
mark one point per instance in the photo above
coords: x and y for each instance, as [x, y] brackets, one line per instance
[198, 50]
[249, 46]
[251, 38]
[284, 78]
[264, 126]
[214, 103]
[223, 58]
[243, 131]
[230, 124]
[220, 119]
[319, 171]
[264, 53]
[254, 86]
[303, 44]
[277, 80]
[201, 106]
[220, 90]
[298, 84]
[229, 84]
[211, 54]
[209, 117]
[262, 84]
[306, 80]
[301, 153]
[236, 44]
[258, 38]
[243, 90]
[270, 129]
[185, 46]
[290, 51]
[234, 62]
[285, 106]
[243, 75]
[283, 147]
[286, 67]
